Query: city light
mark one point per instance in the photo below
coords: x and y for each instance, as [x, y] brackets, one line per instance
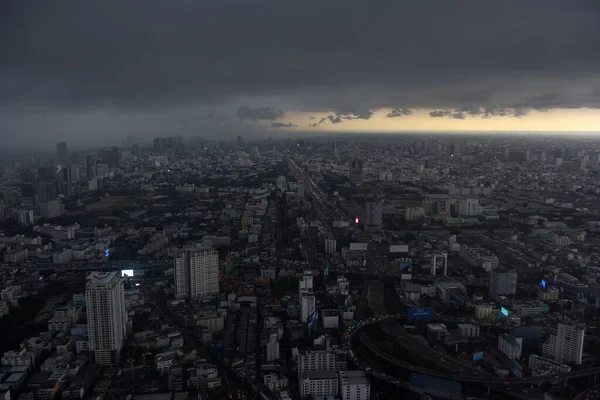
[107, 253]
[504, 311]
[543, 284]
[356, 220]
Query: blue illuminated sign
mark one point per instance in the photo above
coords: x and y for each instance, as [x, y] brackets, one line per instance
[543, 284]
[504, 311]
[106, 253]
[420, 313]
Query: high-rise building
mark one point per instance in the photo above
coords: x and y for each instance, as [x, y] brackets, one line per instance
[61, 151]
[308, 305]
[439, 264]
[374, 217]
[281, 221]
[356, 172]
[503, 283]
[566, 345]
[28, 187]
[65, 183]
[52, 209]
[106, 316]
[455, 152]
[301, 190]
[112, 157]
[197, 272]
[273, 347]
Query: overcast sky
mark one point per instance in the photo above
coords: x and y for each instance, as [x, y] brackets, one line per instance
[95, 71]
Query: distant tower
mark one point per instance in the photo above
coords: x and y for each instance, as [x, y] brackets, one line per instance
[455, 150]
[356, 172]
[61, 151]
[374, 217]
[281, 221]
[106, 316]
[543, 158]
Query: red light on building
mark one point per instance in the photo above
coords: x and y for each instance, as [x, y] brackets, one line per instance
[356, 220]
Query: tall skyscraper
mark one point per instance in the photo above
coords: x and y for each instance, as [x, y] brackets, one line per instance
[197, 272]
[566, 345]
[503, 283]
[28, 187]
[455, 151]
[281, 221]
[65, 182]
[112, 157]
[61, 151]
[356, 172]
[374, 217]
[106, 316]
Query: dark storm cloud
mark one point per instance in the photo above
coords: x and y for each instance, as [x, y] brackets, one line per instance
[257, 114]
[335, 57]
[283, 125]
[439, 113]
[399, 112]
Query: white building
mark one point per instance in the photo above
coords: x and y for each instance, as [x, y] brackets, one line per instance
[566, 345]
[305, 283]
[319, 384]
[316, 361]
[330, 245]
[308, 305]
[106, 316]
[197, 273]
[273, 348]
[469, 207]
[354, 385]
[510, 346]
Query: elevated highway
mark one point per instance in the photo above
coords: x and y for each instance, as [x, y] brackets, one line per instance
[471, 376]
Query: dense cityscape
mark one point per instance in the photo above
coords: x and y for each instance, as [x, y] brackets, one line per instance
[350, 268]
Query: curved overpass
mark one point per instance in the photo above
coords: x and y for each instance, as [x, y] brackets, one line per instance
[470, 377]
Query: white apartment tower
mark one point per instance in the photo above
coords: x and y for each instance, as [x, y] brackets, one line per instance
[197, 272]
[354, 385]
[566, 346]
[106, 316]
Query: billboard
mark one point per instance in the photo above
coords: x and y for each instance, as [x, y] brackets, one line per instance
[405, 270]
[504, 311]
[439, 264]
[420, 313]
[478, 356]
[127, 273]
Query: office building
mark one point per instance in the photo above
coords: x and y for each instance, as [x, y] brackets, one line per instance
[61, 151]
[455, 151]
[319, 384]
[305, 283]
[565, 346]
[510, 346]
[320, 360]
[503, 283]
[197, 272]
[106, 316]
[374, 217]
[354, 385]
[112, 157]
